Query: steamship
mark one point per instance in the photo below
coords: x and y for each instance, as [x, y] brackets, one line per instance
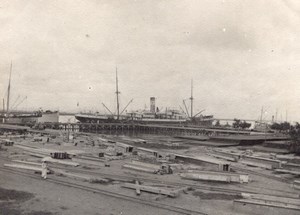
[152, 116]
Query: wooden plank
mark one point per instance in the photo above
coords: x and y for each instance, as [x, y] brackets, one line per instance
[205, 177]
[183, 189]
[223, 157]
[64, 162]
[287, 171]
[91, 158]
[38, 155]
[89, 162]
[28, 162]
[150, 189]
[286, 200]
[265, 207]
[159, 197]
[138, 190]
[146, 165]
[251, 163]
[22, 166]
[80, 176]
[138, 168]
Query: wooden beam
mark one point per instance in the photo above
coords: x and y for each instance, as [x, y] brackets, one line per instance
[139, 168]
[28, 162]
[138, 190]
[64, 162]
[80, 176]
[22, 166]
[151, 189]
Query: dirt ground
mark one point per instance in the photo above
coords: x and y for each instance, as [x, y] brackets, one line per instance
[20, 194]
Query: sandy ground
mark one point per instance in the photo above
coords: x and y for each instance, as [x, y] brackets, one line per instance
[34, 196]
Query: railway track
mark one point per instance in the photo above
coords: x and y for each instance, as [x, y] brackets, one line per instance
[170, 208]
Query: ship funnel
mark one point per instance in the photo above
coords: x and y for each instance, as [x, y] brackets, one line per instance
[152, 104]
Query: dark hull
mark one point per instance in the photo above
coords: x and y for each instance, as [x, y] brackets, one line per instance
[101, 119]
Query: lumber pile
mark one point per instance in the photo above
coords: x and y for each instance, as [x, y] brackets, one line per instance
[141, 166]
[266, 207]
[88, 178]
[152, 189]
[286, 171]
[225, 155]
[27, 162]
[296, 184]
[286, 200]
[64, 162]
[215, 176]
[23, 166]
[265, 163]
[88, 162]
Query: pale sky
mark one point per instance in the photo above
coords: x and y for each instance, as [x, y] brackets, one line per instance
[241, 54]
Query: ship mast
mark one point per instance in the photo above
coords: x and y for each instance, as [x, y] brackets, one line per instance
[8, 90]
[117, 92]
[192, 98]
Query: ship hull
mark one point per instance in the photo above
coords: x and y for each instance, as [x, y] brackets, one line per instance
[103, 119]
[51, 117]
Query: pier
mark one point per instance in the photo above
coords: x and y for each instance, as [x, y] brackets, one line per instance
[143, 128]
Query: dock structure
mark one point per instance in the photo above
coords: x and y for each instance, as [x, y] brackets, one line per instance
[194, 133]
[138, 127]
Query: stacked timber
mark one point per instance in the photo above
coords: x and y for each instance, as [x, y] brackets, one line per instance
[89, 161]
[141, 166]
[26, 167]
[124, 147]
[6, 142]
[58, 161]
[266, 163]
[287, 200]
[151, 189]
[296, 184]
[286, 171]
[291, 166]
[266, 207]
[213, 163]
[215, 176]
[83, 177]
[225, 155]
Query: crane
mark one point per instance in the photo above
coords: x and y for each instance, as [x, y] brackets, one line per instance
[186, 108]
[107, 109]
[16, 101]
[126, 106]
[199, 113]
[20, 102]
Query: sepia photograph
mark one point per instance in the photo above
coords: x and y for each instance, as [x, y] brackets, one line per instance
[150, 107]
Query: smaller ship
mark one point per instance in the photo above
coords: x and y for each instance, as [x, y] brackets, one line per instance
[16, 117]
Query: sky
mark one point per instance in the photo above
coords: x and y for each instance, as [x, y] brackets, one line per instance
[241, 54]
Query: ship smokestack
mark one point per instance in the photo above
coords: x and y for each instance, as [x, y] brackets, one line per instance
[152, 104]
